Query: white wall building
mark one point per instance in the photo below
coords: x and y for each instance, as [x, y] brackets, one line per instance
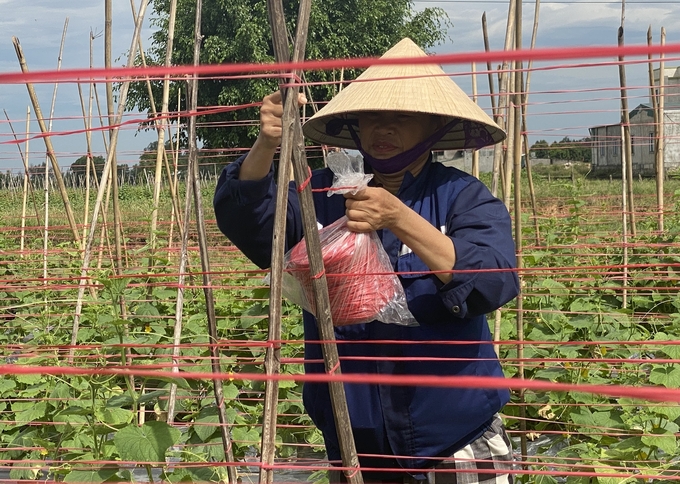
[607, 142]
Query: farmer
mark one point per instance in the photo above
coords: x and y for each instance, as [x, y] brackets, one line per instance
[446, 235]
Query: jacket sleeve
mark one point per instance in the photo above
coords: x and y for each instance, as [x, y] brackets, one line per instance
[484, 278]
[245, 213]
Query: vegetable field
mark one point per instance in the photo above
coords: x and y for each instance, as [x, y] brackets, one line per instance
[98, 410]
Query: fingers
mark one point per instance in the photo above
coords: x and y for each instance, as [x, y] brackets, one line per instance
[271, 113]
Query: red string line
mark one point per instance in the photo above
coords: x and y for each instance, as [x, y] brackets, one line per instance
[304, 184]
[658, 394]
[539, 54]
[138, 121]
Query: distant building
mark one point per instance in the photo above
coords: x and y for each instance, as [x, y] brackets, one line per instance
[462, 159]
[607, 142]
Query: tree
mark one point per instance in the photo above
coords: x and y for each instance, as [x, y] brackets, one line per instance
[78, 167]
[237, 31]
[147, 161]
[540, 148]
[571, 150]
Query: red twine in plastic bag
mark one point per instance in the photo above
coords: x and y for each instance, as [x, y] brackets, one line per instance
[360, 285]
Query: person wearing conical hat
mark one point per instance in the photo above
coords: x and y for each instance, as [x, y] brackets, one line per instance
[448, 239]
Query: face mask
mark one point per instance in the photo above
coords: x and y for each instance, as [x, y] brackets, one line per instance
[398, 162]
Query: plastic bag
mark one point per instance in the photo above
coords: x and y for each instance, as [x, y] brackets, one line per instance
[362, 285]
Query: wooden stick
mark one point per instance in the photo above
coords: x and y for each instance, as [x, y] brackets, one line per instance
[27, 170]
[517, 158]
[273, 354]
[193, 180]
[624, 168]
[47, 171]
[475, 154]
[527, 154]
[293, 130]
[626, 147]
[48, 145]
[173, 178]
[660, 158]
[26, 178]
[117, 217]
[161, 154]
[106, 172]
[489, 70]
[655, 113]
[87, 121]
[498, 148]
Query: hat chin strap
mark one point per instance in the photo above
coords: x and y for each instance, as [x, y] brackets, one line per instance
[402, 160]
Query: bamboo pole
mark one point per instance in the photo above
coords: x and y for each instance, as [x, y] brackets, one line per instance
[475, 153]
[179, 304]
[106, 172]
[47, 171]
[48, 145]
[273, 354]
[343, 425]
[26, 178]
[27, 171]
[503, 102]
[498, 148]
[87, 122]
[117, 218]
[489, 70]
[173, 178]
[655, 113]
[46, 227]
[626, 157]
[193, 179]
[517, 158]
[508, 161]
[661, 147]
[525, 106]
[161, 154]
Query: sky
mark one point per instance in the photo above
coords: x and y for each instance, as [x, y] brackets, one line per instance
[563, 101]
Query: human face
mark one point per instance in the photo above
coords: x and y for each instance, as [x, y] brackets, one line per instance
[384, 134]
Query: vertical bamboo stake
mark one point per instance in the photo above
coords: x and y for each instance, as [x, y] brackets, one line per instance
[273, 354]
[27, 171]
[503, 100]
[517, 158]
[46, 191]
[525, 106]
[160, 124]
[25, 159]
[508, 162]
[47, 171]
[489, 70]
[661, 146]
[173, 179]
[117, 219]
[498, 147]
[625, 128]
[87, 121]
[48, 144]
[343, 425]
[106, 172]
[192, 178]
[475, 153]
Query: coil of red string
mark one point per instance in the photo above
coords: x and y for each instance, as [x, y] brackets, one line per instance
[360, 285]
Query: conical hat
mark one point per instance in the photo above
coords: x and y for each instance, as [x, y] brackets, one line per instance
[422, 88]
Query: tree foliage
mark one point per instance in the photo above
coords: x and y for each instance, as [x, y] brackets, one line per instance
[79, 167]
[566, 149]
[237, 31]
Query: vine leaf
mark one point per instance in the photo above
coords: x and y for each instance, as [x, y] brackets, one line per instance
[147, 443]
[92, 475]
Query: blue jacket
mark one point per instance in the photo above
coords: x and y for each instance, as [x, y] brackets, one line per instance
[413, 423]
